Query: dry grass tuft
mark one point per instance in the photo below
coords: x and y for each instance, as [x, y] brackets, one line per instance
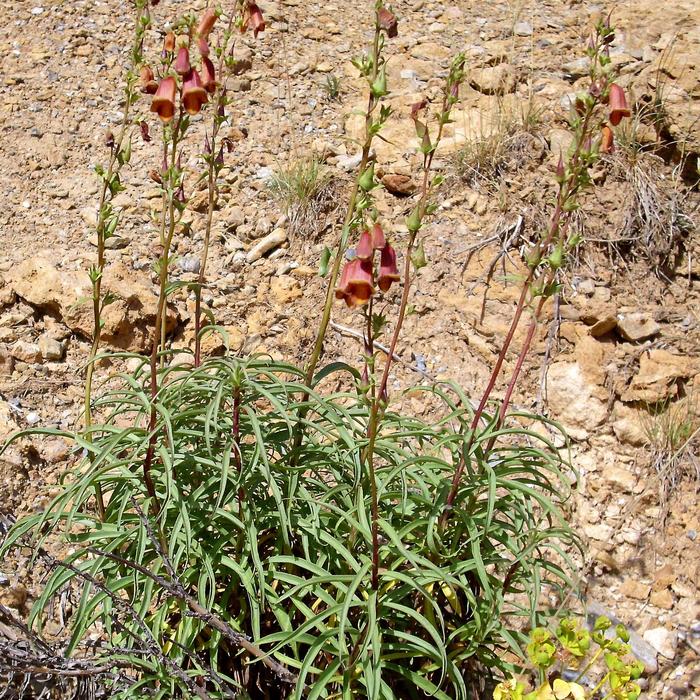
[673, 432]
[304, 189]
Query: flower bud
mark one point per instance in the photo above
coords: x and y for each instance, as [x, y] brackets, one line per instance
[364, 249]
[109, 139]
[147, 81]
[155, 176]
[560, 174]
[413, 223]
[164, 99]
[388, 271]
[366, 180]
[193, 94]
[143, 125]
[169, 43]
[206, 24]
[203, 46]
[182, 62]
[208, 75]
[618, 104]
[388, 22]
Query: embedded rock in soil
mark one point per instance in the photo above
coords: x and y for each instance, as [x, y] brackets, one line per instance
[574, 399]
[664, 641]
[265, 245]
[637, 326]
[494, 80]
[128, 320]
[658, 376]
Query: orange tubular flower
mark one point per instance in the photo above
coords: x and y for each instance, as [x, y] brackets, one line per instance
[203, 46]
[388, 271]
[378, 237]
[182, 62]
[618, 104]
[356, 283]
[164, 99]
[169, 42]
[257, 21]
[206, 24]
[193, 93]
[364, 249]
[607, 140]
[208, 75]
[147, 81]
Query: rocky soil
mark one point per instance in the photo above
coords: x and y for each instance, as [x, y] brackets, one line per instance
[627, 331]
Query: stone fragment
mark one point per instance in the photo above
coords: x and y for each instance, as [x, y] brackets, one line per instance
[523, 29]
[573, 399]
[635, 589]
[26, 352]
[628, 426]
[285, 289]
[128, 320]
[399, 185]
[494, 80]
[637, 326]
[662, 599]
[659, 372]
[51, 349]
[664, 641]
[7, 362]
[266, 244]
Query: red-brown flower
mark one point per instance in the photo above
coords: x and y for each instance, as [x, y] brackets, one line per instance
[257, 21]
[208, 75]
[356, 283]
[169, 42]
[378, 237]
[193, 93]
[607, 139]
[206, 24]
[182, 62]
[364, 249]
[164, 99]
[388, 270]
[147, 81]
[618, 104]
[388, 22]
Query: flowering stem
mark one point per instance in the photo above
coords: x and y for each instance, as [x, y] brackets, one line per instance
[349, 216]
[556, 235]
[380, 397]
[212, 189]
[105, 216]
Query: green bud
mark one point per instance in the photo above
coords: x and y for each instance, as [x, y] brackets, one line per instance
[366, 180]
[413, 223]
[418, 256]
[378, 88]
[556, 257]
